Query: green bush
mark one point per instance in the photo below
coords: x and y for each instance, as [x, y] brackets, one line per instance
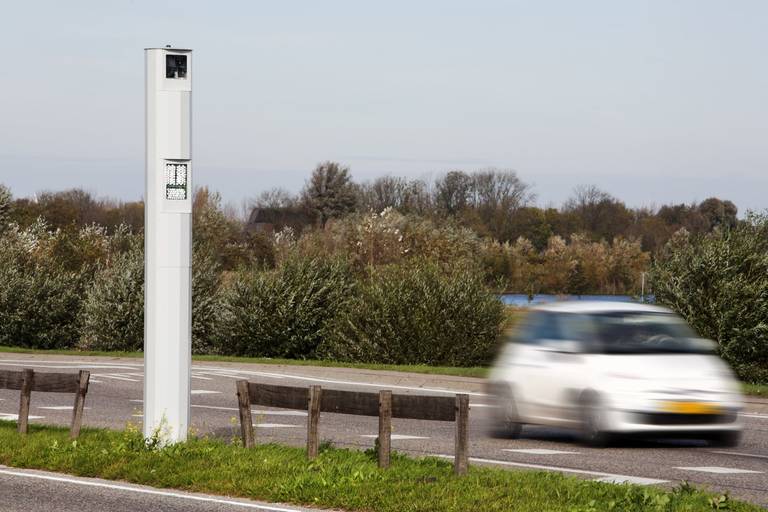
[285, 312]
[418, 313]
[207, 300]
[113, 310]
[39, 297]
[719, 283]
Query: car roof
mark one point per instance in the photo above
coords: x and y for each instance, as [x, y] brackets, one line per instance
[598, 306]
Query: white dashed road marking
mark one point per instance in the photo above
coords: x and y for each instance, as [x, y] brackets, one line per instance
[60, 407]
[254, 411]
[15, 417]
[742, 454]
[538, 451]
[205, 392]
[278, 413]
[116, 376]
[719, 470]
[760, 416]
[395, 437]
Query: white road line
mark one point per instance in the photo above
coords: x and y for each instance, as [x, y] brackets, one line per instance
[67, 365]
[648, 481]
[484, 405]
[350, 383]
[116, 377]
[760, 416]
[274, 425]
[215, 407]
[278, 413]
[94, 381]
[144, 490]
[15, 417]
[136, 400]
[718, 470]
[204, 392]
[538, 451]
[742, 454]
[284, 412]
[60, 407]
[395, 437]
[200, 377]
[629, 480]
[214, 374]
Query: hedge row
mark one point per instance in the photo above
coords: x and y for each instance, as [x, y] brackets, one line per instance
[415, 312]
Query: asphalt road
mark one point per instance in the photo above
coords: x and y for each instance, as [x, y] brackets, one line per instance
[114, 400]
[40, 491]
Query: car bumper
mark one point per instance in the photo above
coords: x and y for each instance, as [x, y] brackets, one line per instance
[639, 421]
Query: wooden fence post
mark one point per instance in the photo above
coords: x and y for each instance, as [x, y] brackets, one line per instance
[27, 381]
[313, 416]
[461, 462]
[246, 421]
[385, 427]
[77, 412]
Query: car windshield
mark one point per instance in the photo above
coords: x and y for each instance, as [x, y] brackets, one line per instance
[647, 333]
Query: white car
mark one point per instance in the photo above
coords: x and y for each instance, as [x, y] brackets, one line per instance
[608, 368]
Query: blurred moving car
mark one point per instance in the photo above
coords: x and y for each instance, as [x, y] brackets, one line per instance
[610, 368]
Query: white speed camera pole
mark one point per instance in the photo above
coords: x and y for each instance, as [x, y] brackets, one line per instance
[167, 246]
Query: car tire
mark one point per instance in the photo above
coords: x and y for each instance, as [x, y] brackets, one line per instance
[592, 422]
[725, 439]
[506, 419]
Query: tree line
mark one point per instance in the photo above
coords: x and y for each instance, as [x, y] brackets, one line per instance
[592, 243]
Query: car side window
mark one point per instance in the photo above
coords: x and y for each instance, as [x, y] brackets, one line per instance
[550, 327]
[525, 330]
[541, 325]
[581, 328]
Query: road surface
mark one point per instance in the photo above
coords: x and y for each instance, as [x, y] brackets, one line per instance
[114, 400]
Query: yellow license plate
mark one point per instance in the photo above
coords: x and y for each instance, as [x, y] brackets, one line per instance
[691, 407]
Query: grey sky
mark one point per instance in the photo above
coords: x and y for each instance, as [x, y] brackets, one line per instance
[655, 101]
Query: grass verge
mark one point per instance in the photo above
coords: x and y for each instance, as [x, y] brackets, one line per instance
[759, 390]
[338, 478]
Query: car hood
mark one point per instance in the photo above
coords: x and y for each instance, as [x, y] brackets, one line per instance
[692, 371]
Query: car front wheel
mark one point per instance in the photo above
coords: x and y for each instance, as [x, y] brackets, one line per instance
[593, 422]
[507, 421]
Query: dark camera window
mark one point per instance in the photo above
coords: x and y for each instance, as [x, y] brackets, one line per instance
[175, 66]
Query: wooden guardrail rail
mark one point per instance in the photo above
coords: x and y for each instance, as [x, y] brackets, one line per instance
[383, 404]
[27, 381]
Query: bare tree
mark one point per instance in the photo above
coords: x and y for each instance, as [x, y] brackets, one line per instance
[598, 212]
[407, 196]
[275, 198]
[500, 189]
[453, 192]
